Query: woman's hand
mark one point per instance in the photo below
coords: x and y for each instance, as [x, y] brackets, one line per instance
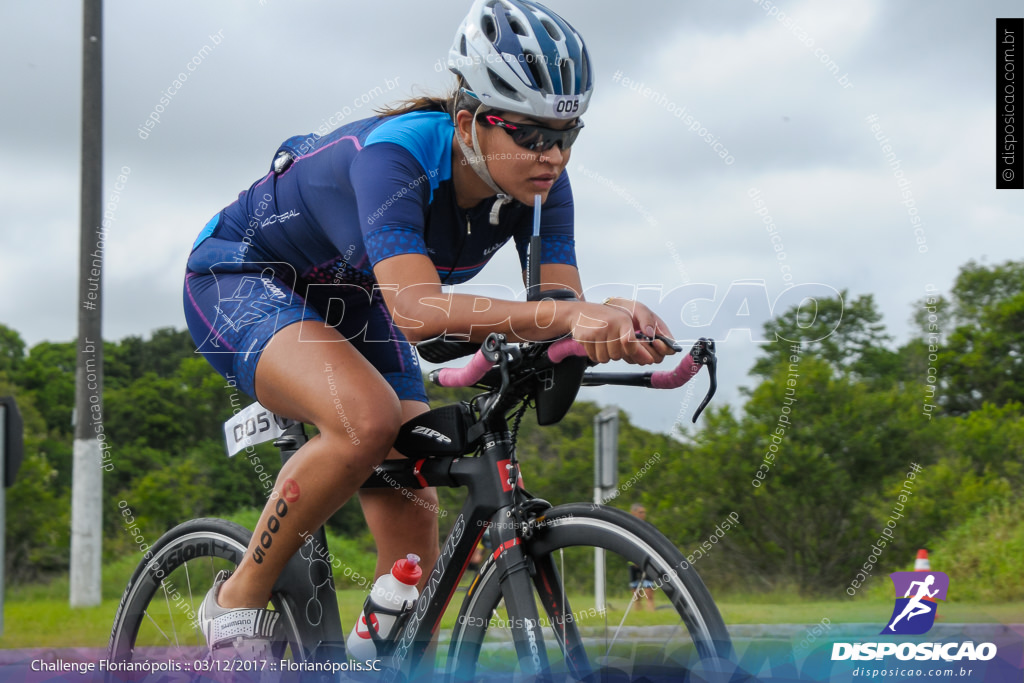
[645, 322]
[608, 332]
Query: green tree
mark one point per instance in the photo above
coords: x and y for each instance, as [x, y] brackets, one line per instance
[978, 288]
[847, 334]
[846, 440]
[165, 497]
[12, 351]
[161, 354]
[49, 374]
[980, 460]
[38, 528]
[983, 359]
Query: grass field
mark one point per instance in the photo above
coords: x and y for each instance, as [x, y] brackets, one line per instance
[39, 615]
[35, 620]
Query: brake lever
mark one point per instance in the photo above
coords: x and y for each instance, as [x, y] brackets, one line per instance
[671, 343]
[703, 352]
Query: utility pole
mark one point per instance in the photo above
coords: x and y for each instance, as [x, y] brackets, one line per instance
[86, 475]
[12, 452]
[606, 477]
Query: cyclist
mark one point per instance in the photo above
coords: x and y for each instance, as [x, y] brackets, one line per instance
[310, 287]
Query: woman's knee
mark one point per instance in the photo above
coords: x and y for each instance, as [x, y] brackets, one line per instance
[370, 423]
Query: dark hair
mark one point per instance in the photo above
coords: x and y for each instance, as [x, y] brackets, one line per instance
[455, 101]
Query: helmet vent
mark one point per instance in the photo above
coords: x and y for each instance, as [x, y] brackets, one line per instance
[565, 67]
[503, 88]
[517, 28]
[489, 28]
[552, 29]
[462, 46]
[534, 64]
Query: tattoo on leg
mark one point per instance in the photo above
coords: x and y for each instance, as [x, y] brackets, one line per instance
[267, 537]
[290, 490]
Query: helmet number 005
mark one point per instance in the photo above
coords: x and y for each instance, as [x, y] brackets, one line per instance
[567, 107]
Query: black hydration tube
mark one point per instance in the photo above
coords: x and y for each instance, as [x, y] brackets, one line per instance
[533, 257]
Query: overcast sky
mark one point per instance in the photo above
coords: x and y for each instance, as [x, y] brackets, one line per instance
[656, 205]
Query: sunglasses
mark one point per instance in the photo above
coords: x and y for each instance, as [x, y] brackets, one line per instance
[537, 138]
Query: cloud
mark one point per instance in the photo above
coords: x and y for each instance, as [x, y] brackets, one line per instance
[757, 89]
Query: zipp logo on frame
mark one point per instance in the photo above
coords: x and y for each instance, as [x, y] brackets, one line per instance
[431, 433]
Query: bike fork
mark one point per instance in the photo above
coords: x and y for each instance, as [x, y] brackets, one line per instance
[514, 570]
[549, 586]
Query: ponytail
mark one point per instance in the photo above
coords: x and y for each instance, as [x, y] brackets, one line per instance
[455, 101]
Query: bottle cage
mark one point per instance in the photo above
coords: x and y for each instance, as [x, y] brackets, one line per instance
[385, 645]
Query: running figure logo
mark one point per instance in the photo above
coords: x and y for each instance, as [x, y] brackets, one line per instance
[914, 613]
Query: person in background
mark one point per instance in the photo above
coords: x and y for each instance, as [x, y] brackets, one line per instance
[643, 588]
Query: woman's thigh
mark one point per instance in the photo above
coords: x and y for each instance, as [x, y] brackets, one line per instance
[234, 316]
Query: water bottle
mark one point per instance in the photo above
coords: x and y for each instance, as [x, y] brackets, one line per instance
[392, 595]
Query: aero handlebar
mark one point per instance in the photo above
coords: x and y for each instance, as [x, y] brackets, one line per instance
[702, 353]
[466, 376]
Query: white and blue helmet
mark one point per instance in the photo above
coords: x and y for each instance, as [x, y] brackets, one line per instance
[519, 56]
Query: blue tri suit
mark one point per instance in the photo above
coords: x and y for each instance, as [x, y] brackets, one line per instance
[301, 243]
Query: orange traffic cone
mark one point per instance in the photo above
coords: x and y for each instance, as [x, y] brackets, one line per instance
[921, 564]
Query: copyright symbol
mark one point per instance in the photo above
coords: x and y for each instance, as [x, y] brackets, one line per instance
[1008, 175]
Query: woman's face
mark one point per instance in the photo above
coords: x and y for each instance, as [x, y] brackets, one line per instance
[517, 170]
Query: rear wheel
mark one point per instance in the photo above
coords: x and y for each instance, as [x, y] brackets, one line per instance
[156, 620]
[582, 640]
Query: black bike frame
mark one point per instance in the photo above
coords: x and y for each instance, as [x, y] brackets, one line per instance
[491, 478]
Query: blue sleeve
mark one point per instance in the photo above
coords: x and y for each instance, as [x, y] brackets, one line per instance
[557, 244]
[392, 192]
